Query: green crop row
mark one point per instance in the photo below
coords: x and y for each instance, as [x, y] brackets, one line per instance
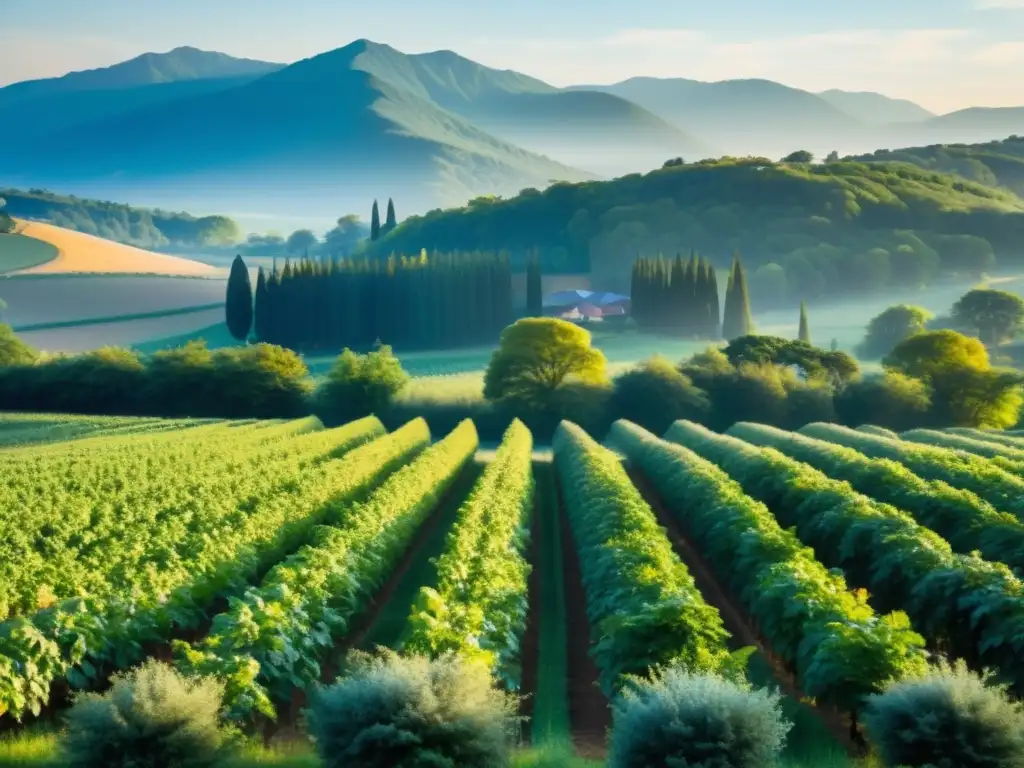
[135, 522]
[968, 607]
[841, 651]
[989, 436]
[642, 603]
[1010, 459]
[479, 606]
[1001, 489]
[83, 639]
[965, 521]
[272, 640]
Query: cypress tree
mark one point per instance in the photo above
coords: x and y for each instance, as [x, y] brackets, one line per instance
[391, 222]
[714, 308]
[374, 222]
[737, 321]
[534, 287]
[238, 302]
[681, 297]
[261, 312]
[805, 331]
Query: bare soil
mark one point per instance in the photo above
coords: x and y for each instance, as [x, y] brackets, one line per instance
[589, 712]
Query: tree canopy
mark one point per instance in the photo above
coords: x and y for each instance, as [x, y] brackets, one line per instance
[301, 241]
[832, 228]
[13, 351]
[889, 328]
[996, 315]
[538, 355]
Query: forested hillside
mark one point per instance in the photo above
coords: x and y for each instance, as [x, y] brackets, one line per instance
[121, 223]
[996, 163]
[804, 230]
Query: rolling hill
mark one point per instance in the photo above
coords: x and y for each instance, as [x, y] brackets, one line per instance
[79, 253]
[995, 163]
[874, 108]
[333, 131]
[759, 117]
[812, 230]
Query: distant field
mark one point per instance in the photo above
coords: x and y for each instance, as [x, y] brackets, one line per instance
[79, 252]
[21, 252]
[61, 298]
[81, 338]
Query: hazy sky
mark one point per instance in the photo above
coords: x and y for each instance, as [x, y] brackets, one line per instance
[944, 54]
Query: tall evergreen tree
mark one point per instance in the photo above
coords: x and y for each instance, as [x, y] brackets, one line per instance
[391, 222]
[715, 309]
[375, 222]
[805, 330]
[534, 287]
[737, 320]
[238, 302]
[262, 307]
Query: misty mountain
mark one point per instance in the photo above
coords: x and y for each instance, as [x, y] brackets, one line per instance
[180, 65]
[743, 116]
[332, 132]
[874, 108]
[598, 131]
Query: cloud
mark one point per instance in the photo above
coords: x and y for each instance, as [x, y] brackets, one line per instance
[998, 5]
[653, 37]
[1000, 54]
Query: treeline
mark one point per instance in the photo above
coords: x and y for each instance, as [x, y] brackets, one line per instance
[780, 382]
[682, 298]
[807, 231]
[140, 227]
[438, 301]
[676, 296]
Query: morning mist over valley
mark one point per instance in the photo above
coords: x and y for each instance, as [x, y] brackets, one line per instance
[511, 385]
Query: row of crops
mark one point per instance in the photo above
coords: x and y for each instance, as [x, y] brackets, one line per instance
[251, 552]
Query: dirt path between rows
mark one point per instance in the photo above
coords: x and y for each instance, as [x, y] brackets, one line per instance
[589, 712]
[529, 649]
[736, 619]
[289, 720]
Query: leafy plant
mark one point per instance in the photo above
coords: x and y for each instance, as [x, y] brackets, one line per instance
[949, 718]
[971, 607]
[698, 721]
[273, 638]
[809, 617]
[967, 522]
[479, 606]
[152, 716]
[643, 605]
[396, 711]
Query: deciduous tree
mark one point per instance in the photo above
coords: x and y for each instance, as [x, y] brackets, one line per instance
[997, 315]
[536, 356]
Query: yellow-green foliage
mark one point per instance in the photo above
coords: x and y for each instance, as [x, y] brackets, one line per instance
[971, 607]
[839, 648]
[643, 605]
[196, 512]
[478, 609]
[273, 638]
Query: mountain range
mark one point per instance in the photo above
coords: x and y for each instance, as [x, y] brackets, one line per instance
[328, 134]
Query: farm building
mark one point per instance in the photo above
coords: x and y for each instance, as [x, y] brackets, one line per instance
[586, 305]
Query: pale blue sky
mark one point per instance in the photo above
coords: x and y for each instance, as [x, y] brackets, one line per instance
[944, 54]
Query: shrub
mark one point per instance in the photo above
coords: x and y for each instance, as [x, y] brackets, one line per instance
[392, 710]
[13, 351]
[655, 394]
[891, 400]
[151, 717]
[950, 718]
[360, 385]
[680, 719]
